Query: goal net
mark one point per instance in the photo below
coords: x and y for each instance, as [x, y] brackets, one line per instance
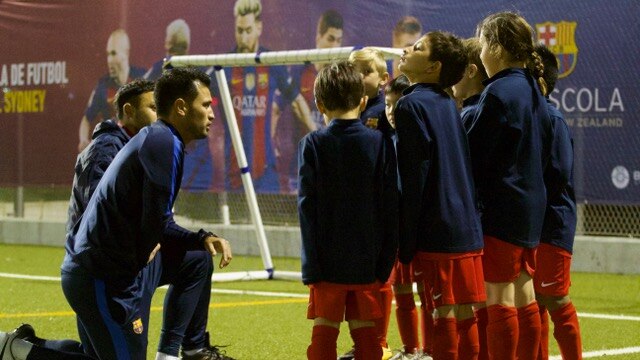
[219, 62]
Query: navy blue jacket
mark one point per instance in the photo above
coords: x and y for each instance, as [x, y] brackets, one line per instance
[375, 110]
[438, 212]
[107, 139]
[510, 141]
[130, 211]
[560, 219]
[469, 109]
[347, 203]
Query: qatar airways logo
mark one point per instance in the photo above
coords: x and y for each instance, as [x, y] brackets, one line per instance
[250, 105]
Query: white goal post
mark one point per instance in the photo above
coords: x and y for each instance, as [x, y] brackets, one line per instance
[267, 58]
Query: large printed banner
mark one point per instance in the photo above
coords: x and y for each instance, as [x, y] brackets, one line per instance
[61, 62]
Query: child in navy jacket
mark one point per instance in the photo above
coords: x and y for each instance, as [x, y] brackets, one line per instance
[347, 203]
[439, 222]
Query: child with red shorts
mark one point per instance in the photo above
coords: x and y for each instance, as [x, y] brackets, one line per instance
[403, 276]
[552, 278]
[347, 204]
[439, 221]
[510, 141]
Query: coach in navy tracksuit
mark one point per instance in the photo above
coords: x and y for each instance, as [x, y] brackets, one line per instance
[112, 265]
[189, 273]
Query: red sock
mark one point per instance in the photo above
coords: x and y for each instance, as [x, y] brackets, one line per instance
[502, 332]
[323, 343]
[468, 341]
[566, 330]
[445, 341]
[366, 343]
[382, 324]
[529, 332]
[407, 318]
[427, 323]
[543, 352]
[483, 319]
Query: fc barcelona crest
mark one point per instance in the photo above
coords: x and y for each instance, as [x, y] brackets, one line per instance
[138, 328]
[560, 39]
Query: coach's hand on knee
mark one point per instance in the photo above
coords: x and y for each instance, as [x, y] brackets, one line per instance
[215, 245]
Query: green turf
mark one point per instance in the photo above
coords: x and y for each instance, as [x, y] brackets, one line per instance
[258, 327]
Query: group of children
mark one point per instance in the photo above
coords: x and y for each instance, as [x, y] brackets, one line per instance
[475, 205]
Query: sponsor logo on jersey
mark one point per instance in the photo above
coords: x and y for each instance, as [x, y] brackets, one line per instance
[372, 123]
[250, 81]
[263, 80]
[560, 39]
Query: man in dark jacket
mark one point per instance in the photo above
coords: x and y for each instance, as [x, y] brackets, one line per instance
[186, 308]
[189, 273]
[135, 110]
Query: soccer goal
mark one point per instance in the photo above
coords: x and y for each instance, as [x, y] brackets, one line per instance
[267, 58]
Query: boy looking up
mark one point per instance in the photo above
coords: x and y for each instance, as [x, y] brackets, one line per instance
[439, 222]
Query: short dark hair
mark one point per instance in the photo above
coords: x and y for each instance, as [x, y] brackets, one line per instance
[473, 48]
[178, 83]
[329, 19]
[449, 51]
[339, 86]
[128, 93]
[550, 62]
[397, 85]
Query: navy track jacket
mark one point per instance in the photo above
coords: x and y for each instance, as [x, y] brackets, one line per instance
[347, 203]
[438, 212]
[510, 141]
[130, 211]
[107, 139]
[560, 219]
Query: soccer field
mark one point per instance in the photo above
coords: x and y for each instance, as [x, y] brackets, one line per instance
[266, 319]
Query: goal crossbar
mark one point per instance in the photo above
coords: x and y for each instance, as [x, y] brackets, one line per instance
[266, 58]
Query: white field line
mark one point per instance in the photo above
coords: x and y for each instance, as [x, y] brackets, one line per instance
[599, 353]
[218, 291]
[299, 295]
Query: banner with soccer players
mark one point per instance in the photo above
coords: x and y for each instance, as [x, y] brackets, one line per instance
[61, 63]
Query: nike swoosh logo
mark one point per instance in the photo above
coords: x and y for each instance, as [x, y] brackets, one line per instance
[417, 273]
[544, 284]
[436, 297]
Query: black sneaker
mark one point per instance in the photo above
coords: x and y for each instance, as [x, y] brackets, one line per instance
[208, 353]
[25, 332]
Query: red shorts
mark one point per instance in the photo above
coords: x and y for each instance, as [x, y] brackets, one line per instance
[404, 274]
[336, 302]
[455, 278]
[552, 276]
[502, 262]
